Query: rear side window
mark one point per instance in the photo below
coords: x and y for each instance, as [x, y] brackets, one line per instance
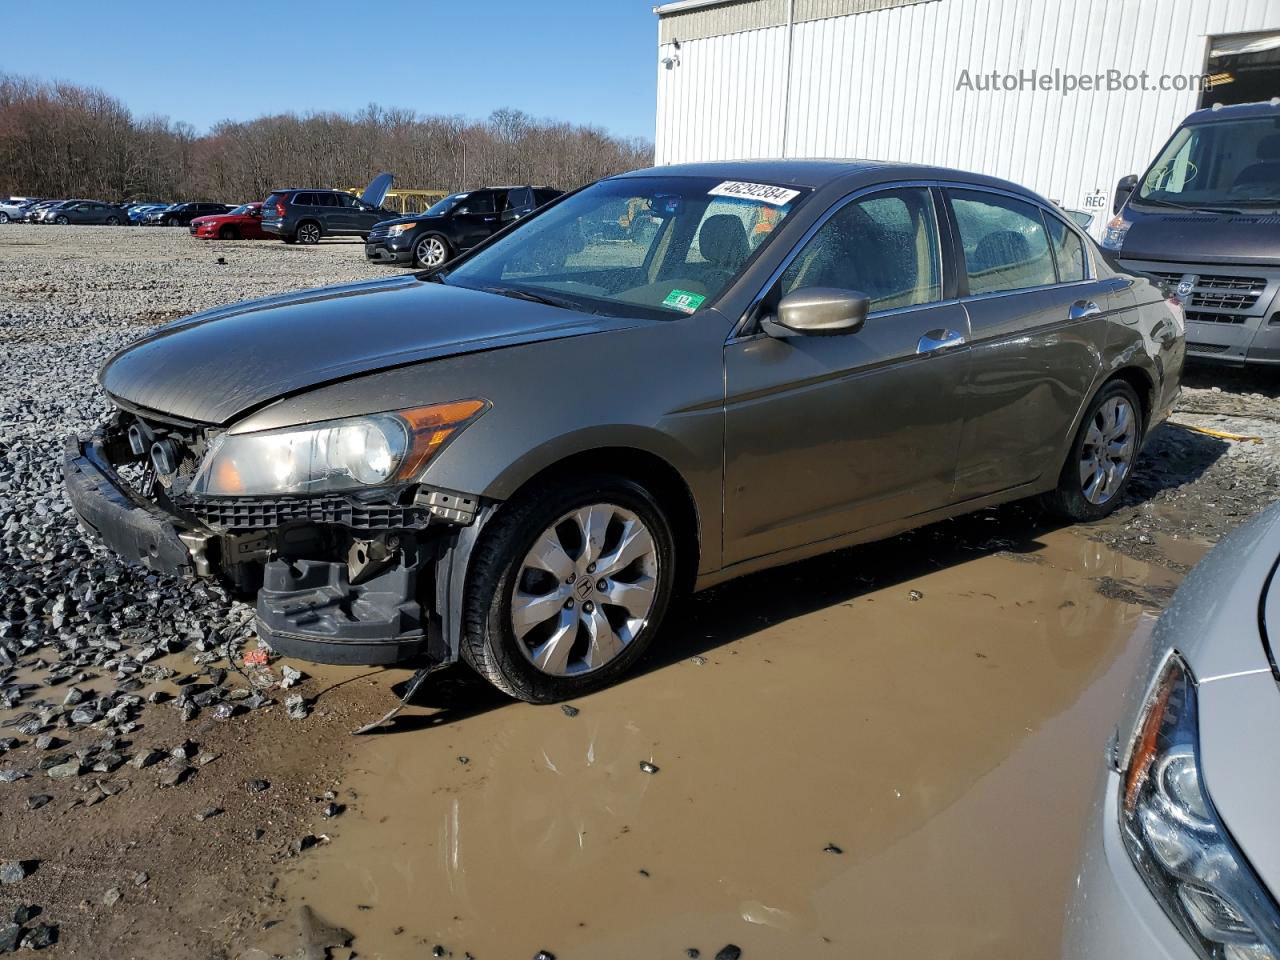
[521, 199]
[884, 246]
[327, 200]
[1068, 251]
[1005, 246]
[304, 199]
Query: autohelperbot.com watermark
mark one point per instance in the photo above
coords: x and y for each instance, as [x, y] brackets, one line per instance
[1066, 82]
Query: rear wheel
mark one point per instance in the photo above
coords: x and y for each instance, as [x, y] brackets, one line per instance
[568, 587]
[229, 233]
[1100, 464]
[308, 232]
[431, 252]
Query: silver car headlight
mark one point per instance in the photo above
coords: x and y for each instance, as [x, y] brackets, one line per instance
[356, 453]
[1176, 839]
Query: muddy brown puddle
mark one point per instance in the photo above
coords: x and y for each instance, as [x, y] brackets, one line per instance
[948, 745]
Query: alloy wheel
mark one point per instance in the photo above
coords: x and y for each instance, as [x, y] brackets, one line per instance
[584, 590]
[63, 221]
[308, 233]
[431, 252]
[4, 217]
[1107, 454]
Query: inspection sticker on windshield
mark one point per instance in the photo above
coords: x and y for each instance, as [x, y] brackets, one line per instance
[683, 300]
[764, 192]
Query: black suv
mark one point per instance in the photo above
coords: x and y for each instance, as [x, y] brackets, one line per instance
[181, 214]
[456, 223]
[304, 216]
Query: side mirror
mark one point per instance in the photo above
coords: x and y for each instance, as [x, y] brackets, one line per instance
[1124, 189]
[818, 312]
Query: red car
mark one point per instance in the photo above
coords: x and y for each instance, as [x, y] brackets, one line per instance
[242, 223]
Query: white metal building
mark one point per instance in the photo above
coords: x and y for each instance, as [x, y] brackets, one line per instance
[911, 80]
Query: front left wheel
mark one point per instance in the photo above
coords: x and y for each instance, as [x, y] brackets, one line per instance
[567, 588]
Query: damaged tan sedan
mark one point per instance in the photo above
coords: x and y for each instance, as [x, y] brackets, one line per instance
[659, 382]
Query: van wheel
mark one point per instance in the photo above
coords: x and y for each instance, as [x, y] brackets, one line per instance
[308, 232]
[1100, 464]
[567, 587]
[431, 252]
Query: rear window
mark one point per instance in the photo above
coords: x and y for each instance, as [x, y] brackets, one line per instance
[274, 198]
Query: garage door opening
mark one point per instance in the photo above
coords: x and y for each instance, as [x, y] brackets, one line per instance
[1243, 68]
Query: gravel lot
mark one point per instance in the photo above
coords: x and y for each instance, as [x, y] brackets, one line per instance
[150, 789]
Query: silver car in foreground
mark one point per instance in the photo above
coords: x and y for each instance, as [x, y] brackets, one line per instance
[664, 380]
[1183, 856]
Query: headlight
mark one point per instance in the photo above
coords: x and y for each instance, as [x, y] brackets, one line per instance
[1117, 228]
[1178, 842]
[398, 228]
[351, 454]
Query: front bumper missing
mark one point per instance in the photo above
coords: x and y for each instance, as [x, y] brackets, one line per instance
[138, 531]
[315, 600]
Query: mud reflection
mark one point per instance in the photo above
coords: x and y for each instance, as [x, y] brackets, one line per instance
[947, 745]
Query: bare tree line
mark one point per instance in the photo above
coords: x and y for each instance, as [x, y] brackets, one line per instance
[60, 140]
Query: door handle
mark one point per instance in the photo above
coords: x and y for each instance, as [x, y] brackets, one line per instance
[1083, 309]
[939, 340]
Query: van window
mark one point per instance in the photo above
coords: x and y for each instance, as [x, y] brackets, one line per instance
[1005, 246]
[1235, 163]
[884, 245]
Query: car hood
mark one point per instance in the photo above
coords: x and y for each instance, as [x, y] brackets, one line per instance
[418, 218]
[218, 365]
[1191, 238]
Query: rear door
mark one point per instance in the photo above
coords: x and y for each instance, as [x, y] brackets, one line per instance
[1039, 319]
[475, 218]
[830, 435]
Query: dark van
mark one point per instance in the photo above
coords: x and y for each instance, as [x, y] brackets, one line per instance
[1206, 219]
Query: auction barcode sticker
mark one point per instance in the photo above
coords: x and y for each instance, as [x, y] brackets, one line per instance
[764, 192]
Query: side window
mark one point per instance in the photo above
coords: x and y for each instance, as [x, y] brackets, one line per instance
[544, 196]
[328, 200]
[480, 202]
[1005, 246]
[518, 199]
[345, 200]
[884, 245]
[1068, 251]
[303, 200]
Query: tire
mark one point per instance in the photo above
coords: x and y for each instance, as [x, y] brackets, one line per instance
[61, 220]
[308, 233]
[4, 217]
[229, 233]
[171, 222]
[1115, 418]
[113, 221]
[560, 614]
[431, 251]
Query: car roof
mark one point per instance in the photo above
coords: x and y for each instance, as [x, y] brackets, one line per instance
[820, 173]
[1238, 111]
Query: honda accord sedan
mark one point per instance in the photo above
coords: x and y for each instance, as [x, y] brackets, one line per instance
[1183, 856]
[519, 458]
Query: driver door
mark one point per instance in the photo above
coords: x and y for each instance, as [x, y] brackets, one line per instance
[475, 219]
[828, 435]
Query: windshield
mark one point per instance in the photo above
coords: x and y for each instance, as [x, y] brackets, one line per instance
[659, 246]
[242, 210]
[441, 207]
[1226, 165]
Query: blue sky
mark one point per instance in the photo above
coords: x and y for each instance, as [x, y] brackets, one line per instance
[585, 61]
